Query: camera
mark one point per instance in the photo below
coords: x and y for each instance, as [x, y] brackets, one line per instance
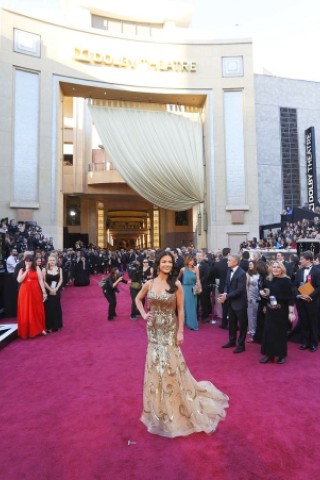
[119, 275]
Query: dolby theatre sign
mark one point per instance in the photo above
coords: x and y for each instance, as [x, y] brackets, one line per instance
[311, 168]
[159, 65]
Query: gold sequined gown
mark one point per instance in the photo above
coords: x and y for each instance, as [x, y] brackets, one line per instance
[174, 403]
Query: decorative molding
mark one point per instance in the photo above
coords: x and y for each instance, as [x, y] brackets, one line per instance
[26, 43]
[237, 207]
[232, 66]
[24, 204]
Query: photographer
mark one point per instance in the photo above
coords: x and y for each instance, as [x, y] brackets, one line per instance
[67, 265]
[135, 274]
[109, 288]
[81, 269]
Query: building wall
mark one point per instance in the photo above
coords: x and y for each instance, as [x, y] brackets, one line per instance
[272, 93]
[218, 73]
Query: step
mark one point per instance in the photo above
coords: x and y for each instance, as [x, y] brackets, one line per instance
[8, 333]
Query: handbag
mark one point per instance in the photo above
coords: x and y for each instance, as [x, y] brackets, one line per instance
[195, 290]
[136, 285]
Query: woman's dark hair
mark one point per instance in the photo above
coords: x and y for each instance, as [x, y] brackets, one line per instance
[188, 259]
[262, 268]
[252, 271]
[173, 275]
[113, 271]
[33, 262]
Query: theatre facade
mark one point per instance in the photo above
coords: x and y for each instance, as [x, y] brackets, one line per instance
[62, 167]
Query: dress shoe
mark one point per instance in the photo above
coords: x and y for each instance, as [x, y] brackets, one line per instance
[223, 327]
[229, 345]
[313, 348]
[303, 347]
[239, 350]
[281, 361]
[266, 359]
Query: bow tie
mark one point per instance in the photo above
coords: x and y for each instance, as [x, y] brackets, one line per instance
[307, 268]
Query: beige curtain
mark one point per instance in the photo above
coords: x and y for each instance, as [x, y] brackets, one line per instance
[158, 153]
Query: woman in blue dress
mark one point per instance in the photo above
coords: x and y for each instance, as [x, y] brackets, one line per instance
[190, 280]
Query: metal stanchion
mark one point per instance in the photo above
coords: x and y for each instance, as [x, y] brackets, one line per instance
[213, 302]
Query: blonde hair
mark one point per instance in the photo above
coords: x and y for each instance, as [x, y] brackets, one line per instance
[282, 268]
[51, 256]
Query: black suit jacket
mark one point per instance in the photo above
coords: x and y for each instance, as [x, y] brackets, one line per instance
[244, 264]
[204, 273]
[236, 289]
[220, 272]
[179, 263]
[289, 268]
[17, 269]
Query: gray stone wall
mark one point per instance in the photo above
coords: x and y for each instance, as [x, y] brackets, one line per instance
[271, 95]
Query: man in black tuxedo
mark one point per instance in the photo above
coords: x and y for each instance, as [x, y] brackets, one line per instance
[288, 265]
[131, 256]
[235, 295]
[204, 298]
[244, 262]
[178, 260]
[307, 305]
[220, 271]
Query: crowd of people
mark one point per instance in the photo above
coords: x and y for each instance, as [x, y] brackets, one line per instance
[261, 300]
[287, 236]
[203, 276]
[255, 301]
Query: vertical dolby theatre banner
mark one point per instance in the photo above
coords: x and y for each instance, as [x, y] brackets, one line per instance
[311, 168]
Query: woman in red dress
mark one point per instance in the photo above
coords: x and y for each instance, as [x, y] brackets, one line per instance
[32, 294]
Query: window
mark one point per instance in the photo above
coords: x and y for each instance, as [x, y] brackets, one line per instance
[101, 224]
[156, 228]
[290, 157]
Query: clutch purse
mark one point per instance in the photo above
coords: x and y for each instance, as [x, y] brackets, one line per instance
[306, 289]
[195, 290]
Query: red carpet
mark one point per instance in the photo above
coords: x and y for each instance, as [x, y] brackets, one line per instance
[71, 402]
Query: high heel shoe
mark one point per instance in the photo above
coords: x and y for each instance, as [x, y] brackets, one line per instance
[44, 333]
[266, 359]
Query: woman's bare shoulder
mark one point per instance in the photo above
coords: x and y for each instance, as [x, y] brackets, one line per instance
[147, 284]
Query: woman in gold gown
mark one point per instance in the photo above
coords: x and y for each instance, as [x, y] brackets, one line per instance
[174, 403]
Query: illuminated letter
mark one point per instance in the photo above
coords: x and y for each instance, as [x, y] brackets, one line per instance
[97, 57]
[107, 59]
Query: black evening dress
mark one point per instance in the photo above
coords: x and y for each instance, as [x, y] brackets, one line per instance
[52, 305]
[274, 342]
[81, 274]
